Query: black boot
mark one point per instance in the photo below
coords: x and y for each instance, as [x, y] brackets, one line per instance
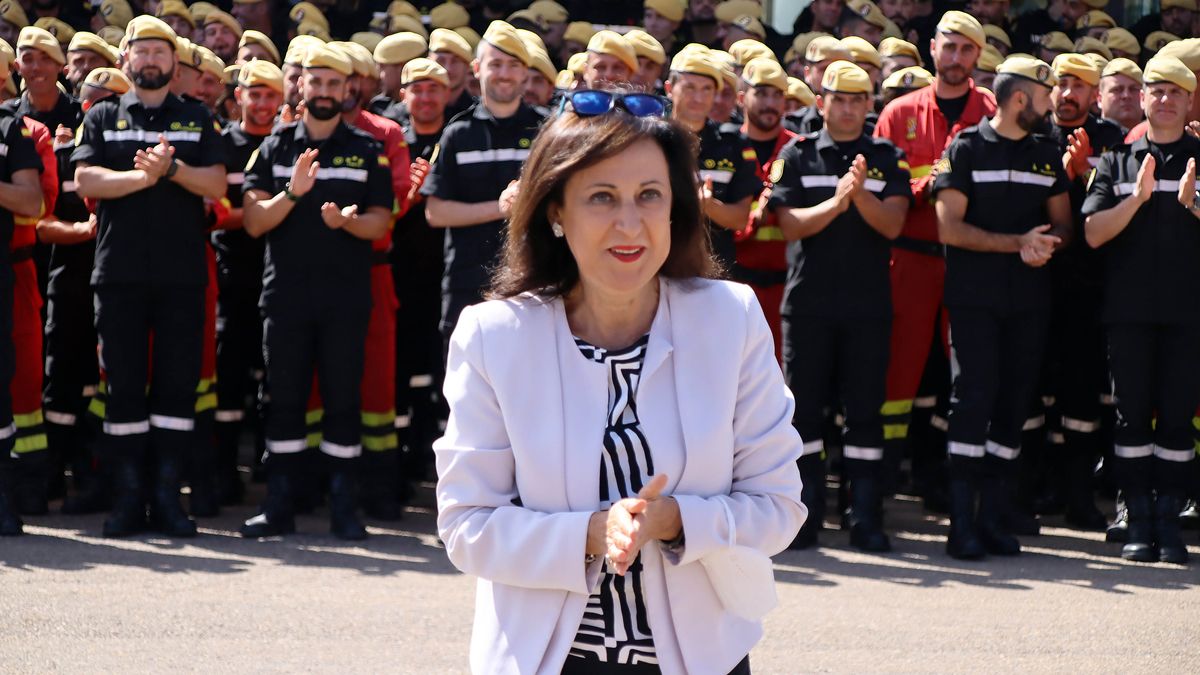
[1118, 530]
[1016, 479]
[128, 514]
[277, 517]
[380, 495]
[963, 542]
[202, 475]
[995, 503]
[812, 494]
[92, 476]
[1140, 546]
[866, 507]
[230, 490]
[1079, 474]
[166, 509]
[1189, 517]
[1166, 528]
[32, 483]
[343, 501]
[10, 522]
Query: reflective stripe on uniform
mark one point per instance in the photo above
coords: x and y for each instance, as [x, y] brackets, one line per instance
[60, 418]
[715, 176]
[1174, 455]
[813, 448]
[874, 185]
[341, 451]
[1133, 451]
[286, 447]
[1034, 423]
[230, 415]
[1123, 189]
[940, 423]
[966, 449]
[126, 428]
[924, 402]
[147, 136]
[864, 454]
[1001, 451]
[325, 173]
[69, 186]
[403, 421]
[237, 178]
[1012, 176]
[1081, 426]
[819, 181]
[418, 381]
[172, 423]
[494, 155]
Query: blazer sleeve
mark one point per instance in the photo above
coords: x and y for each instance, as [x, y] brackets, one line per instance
[486, 531]
[764, 498]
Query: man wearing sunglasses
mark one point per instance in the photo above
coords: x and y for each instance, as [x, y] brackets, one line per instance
[727, 162]
[473, 173]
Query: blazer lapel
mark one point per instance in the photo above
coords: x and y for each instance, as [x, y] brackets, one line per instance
[690, 378]
[584, 396]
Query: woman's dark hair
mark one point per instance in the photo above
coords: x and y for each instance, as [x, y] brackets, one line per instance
[535, 260]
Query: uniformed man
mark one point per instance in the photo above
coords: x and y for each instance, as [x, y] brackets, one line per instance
[453, 52]
[321, 192]
[1142, 209]
[818, 55]
[1075, 356]
[922, 124]
[417, 266]
[995, 188]
[149, 152]
[85, 53]
[239, 274]
[69, 335]
[840, 197]
[221, 34]
[651, 58]
[1120, 93]
[471, 182]
[391, 54]
[727, 162]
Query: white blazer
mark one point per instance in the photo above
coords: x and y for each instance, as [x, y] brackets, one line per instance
[519, 471]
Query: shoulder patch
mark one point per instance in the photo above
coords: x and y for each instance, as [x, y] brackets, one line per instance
[436, 150]
[383, 160]
[749, 155]
[253, 158]
[942, 165]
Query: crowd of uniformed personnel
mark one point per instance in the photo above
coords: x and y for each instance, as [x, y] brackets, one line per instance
[973, 234]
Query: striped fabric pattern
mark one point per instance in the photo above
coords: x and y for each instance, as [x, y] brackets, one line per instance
[614, 627]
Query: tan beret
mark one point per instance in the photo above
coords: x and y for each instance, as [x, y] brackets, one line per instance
[199, 10]
[912, 77]
[550, 11]
[467, 33]
[314, 29]
[146, 27]
[298, 48]
[989, 59]
[1076, 65]
[844, 77]
[646, 45]
[85, 41]
[798, 91]
[444, 40]
[1034, 70]
[728, 11]
[396, 7]
[614, 44]
[1169, 69]
[11, 11]
[1189, 5]
[1159, 39]
[540, 61]
[211, 63]
[1187, 51]
[577, 63]
[862, 51]
[400, 48]
[32, 37]
[368, 39]
[868, 11]
[1095, 19]
[695, 62]
[175, 8]
[1057, 41]
[502, 36]
[965, 25]
[825, 48]
[579, 31]
[360, 58]
[116, 13]
[764, 71]
[112, 35]
[259, 73]
[109, 79]
[897, 47]
[671, 10]
[423, 69]
[750, 25]
[60, 29]
[531, 39]
[1090, 45]
[225, 19]
[303, 12]
[994, 32]
[403, 23]
[1123, 66]
[254, 37]
[325, 56]
[449, 15]
[746, 50]
[526, 17]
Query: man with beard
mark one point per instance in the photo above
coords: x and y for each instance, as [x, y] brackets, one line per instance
[453, 53]
[149, 152]
[416, 258]
[1076, 351]
[840, 197]
[1174, 17]
[1120, 93]
[293, 68]
[1059, 15]
[818, 55]
[611, 61]
[662, 19]
[239, 259]
[1142, 209]
[729, 181]
[321, 193]
[996, 186]
[253, 15]
[473, 172]
[921, 124]
[391, 55]
[85, 53]
[761, 251]
[39, 61]
[381, 456]
[702, 22]
[221, 34]
[651, 58]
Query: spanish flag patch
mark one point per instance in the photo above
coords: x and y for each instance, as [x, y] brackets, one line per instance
[749, 155]
[384, 161]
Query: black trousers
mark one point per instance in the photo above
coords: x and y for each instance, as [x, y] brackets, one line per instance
[1076, 362]
[419, 365]
[127, 316]
[837, 360]
[8, 362]
[996, 360]
[321, 329]
[239, 349]
[71, 362]
[1155, 371]
[453, 303]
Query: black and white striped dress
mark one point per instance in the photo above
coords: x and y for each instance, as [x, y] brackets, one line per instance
[614, 629]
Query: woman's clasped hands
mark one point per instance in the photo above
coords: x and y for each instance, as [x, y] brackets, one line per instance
[621, 531]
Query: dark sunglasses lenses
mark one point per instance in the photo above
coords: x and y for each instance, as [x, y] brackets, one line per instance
[644, 105]
[591, 102]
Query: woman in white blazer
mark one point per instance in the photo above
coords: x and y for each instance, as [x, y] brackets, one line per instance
[617, 417]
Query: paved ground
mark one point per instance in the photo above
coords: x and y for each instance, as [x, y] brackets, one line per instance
[74, 602]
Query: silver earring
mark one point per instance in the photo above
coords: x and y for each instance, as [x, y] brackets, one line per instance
[557, 230]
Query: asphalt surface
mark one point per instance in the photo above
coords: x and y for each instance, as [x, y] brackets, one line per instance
[73, 601]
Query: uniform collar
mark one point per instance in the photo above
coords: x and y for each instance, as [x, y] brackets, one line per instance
[300, 134]
[481, 112]
[130, 100]
[988, 133]
[824, 140]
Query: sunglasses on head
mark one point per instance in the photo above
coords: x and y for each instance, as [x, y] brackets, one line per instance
[592, 102]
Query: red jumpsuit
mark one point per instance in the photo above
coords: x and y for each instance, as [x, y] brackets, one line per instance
[26, 385]
[914, 124]
[764, 250]
[379, 373]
